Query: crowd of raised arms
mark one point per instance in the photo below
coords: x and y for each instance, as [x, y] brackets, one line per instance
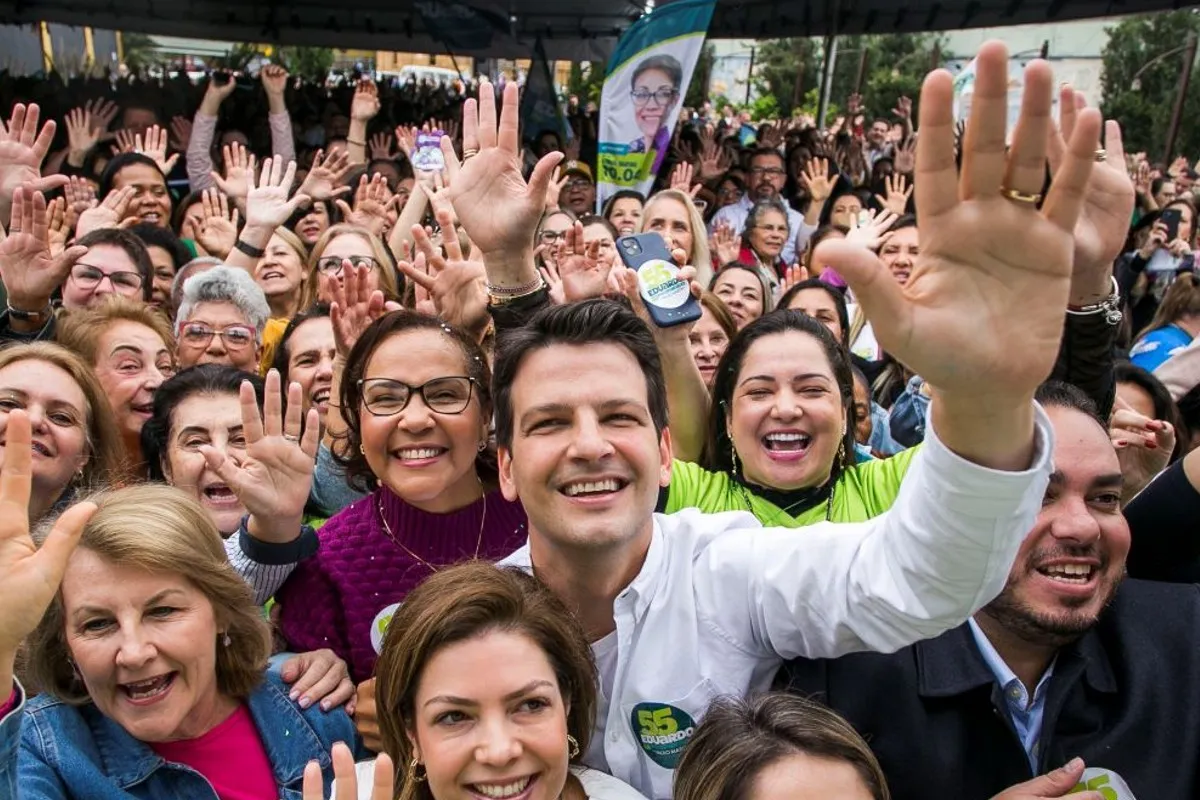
[321, 477]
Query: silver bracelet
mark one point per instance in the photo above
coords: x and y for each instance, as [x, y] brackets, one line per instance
[1109, 306]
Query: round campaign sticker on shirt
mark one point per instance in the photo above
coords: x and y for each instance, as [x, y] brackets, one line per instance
[662, 731]
[658, 284]
[379, 626]
[1108, 783]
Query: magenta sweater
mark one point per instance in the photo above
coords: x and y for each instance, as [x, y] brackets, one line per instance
[344, 596]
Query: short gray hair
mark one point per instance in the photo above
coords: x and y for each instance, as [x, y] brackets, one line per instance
[225, 284]
[763, 207]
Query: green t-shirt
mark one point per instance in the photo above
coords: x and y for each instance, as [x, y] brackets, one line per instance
[863, 491]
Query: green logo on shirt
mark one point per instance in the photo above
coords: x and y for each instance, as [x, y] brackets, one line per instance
[663, 731]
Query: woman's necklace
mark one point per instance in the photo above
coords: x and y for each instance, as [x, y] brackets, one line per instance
[388, 530]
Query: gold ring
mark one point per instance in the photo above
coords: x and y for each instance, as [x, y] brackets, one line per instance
[1021, 197]
[1102, 154]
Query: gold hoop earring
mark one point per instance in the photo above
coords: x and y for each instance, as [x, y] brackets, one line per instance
[412, 771]
[362, 450]
[573, 749]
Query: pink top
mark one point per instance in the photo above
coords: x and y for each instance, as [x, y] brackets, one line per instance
[10, 703]
[231, 757]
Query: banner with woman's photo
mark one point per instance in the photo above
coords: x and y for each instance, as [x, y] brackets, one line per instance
[648, 75]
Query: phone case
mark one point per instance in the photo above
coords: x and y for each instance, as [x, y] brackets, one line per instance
[668, 299]
[428, 155]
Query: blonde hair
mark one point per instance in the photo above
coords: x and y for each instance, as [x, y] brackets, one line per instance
[700, 257]
[388, 283]
[298, 247]
[80, 331]
[162, 530]
[102, 440]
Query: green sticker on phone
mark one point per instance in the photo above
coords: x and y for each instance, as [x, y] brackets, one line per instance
[1109, 784]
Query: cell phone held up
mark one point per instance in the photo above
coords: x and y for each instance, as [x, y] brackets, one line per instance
[668, 299]
[1170, 218]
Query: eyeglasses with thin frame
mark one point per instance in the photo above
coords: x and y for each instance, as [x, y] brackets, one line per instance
[199, 334]
[384, 397]
[332, 265]
[774, 172]
[662, 96]
[88, 277]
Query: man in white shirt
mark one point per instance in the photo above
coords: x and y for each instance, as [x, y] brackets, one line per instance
[765, 181]
[687, 607]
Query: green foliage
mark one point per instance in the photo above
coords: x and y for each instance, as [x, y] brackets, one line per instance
[586, 79]
[312, 63]
[1145, 112]
[764, 107]
[139, 50]
[790, 70]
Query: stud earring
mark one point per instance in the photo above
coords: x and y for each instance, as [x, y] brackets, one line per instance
[362, 450]
[225, 640]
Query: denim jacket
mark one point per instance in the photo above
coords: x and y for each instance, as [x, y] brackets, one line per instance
[74, 752]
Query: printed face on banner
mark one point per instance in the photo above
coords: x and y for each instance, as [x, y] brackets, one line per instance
[639, 108]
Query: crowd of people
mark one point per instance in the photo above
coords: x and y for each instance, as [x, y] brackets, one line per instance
[325, 475]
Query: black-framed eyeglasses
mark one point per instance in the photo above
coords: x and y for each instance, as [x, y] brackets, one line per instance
[772, 171]
[332, 265]
[86, 276]
[550, 237]
[662, 96]
[199, 334]
[384, 397]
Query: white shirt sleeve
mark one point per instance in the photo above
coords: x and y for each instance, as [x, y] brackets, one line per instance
[939, 554]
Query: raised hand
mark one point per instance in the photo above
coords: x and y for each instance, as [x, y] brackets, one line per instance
[981, 316]
[352, 305]
[714, 160]
[239, 172]
[103, 113]
[797, 273]
[874, 233]
[267, 204]
[903, 108]
[579, 267]
[366, 717]
[23, 148]
[681, 179]
[79, 197]
[457, 286]
[382, 146]
[554, 284]
[274, 476]
[725, 244]
[554, 189]
[219, 229]
[496, 206]
[1107, 204]
[406, 138]
[111, 213]
[1143, 445]
[816, 179]
[274, 80]
[82, 136]
[346, 778]
[181, 133]
[29, 270]
[154, 146]
[905, 158]
[57, 229]
[125, 142]
[365, 104]
[325, 176]
[29, 575]
[371, 202]
[897, 192]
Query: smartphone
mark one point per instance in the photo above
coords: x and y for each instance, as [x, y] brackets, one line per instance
[221, 78]
[428, 154]
[1171, 217]
[668, 299]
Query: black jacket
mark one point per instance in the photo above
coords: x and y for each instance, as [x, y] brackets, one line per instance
[1125, 697]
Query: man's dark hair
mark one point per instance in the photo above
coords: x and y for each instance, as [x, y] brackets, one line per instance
[120, 162]
[154, 236]
[200, 379]
[133, 247]
[1058, 394]
[766, 151]
[587, 322]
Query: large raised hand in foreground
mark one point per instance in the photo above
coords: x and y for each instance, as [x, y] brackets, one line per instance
[981, 316]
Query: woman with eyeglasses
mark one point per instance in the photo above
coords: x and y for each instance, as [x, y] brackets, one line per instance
[116, 262]
[550, 231]
[764, 237]
[221, 320]
[654, 92]
[359, 247]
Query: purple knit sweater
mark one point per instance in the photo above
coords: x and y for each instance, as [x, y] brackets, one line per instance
[343, 597]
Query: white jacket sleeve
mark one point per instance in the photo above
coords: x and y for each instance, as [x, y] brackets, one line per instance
[264, 579]
[943, 551]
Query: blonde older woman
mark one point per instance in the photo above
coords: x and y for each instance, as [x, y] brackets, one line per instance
[354, 244]
[74, 434]
[149, 654]
[672, 213]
